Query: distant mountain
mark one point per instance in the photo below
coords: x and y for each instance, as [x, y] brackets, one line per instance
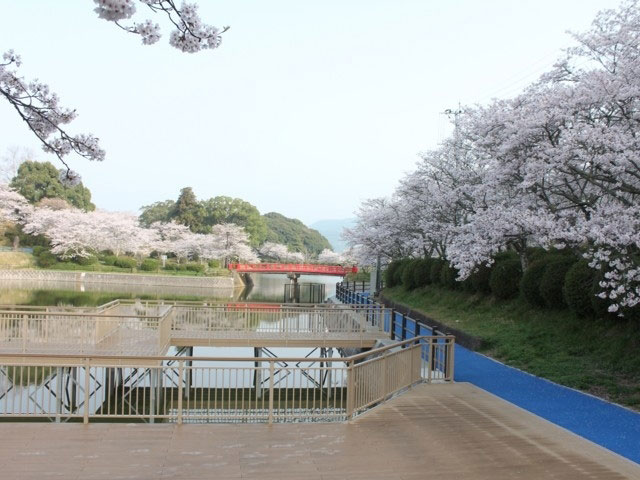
[332, 230]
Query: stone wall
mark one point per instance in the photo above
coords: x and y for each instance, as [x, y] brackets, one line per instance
[118, 278]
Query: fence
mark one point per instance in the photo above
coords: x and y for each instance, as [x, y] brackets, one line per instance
[148, 328]
[204, 389]
[399, 325]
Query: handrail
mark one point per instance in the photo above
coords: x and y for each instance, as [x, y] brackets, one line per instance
[228, 359]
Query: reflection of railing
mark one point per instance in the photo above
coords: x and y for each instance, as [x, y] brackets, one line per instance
[205, 389]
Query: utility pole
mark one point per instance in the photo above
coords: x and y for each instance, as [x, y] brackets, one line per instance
[455, 113]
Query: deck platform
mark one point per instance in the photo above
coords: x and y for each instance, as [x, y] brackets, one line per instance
[446, 432]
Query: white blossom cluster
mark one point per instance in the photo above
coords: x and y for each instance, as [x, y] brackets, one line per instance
[556, 166]
[277, 252]
[40, 109]
[75, 233]
[190, 33]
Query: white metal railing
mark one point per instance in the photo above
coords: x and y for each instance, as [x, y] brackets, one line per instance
[223, 389]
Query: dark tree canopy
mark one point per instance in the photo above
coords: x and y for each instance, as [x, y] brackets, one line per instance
[201, 215]
[157, 212]
[188, 211]
[38, 180]
[295, 234]
[235, 210]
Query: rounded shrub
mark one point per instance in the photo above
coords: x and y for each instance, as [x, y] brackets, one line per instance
[125, 262]
[149, 265]
[397, 275]
[448, 276]
[109, 260]
[578, 289]
[422, 272]
[90, 260]
[46, 259]
[436, 267]
[37, 250]
[479, 279]
[390, 273]
[408, 277]
[195, 267]
[530, 283]
[505, 278]
[552, 281]
[214, 263]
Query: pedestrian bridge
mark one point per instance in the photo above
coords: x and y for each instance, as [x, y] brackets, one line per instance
[298, 268]
[149, 328]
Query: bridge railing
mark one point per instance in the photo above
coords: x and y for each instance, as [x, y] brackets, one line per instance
[149, 328]
[29, 331]
[210, 389]
[399, 325]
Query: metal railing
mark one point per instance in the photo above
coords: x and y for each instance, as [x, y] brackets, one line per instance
[223, 389]
[148, 328]
[399, 325]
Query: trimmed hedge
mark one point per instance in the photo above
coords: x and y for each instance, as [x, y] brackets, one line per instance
[90, 260]
[125, 262]
[110, 260]
[149, 265]
[578, 289]
[422, 273]
[436, 267]
[448, 276]
[505, 278]
[408, 279]
[530, 283]
[195, 267]
[46, 259]
[479, 279]
[552, 281]
[391, 273]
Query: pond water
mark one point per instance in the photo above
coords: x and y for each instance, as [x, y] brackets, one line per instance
[266, 288]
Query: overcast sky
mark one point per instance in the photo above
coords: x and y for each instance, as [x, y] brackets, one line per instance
[307, 108]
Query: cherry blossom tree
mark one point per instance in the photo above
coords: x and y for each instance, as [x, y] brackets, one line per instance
[556, 166]
[40, 108]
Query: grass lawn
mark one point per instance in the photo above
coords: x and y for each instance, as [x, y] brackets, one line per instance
[9, 260]
[601, 357]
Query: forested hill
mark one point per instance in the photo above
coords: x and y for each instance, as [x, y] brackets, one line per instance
[293, 233]
[201, 215]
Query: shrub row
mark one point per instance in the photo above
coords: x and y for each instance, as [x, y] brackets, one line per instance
[553, 279]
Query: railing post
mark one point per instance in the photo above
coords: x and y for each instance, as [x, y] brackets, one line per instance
[392, 325]
[430, 360]
[58, 393]
[385, 361]
[451, 345]
[350, 391]
[404, 327]
[180, 389]
[87, 373]
[271, 374]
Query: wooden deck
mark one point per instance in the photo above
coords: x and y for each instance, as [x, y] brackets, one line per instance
[445, 432]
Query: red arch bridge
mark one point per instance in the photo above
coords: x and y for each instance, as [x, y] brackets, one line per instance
[301, 268]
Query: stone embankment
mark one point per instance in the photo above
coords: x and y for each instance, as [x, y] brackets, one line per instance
[120, 278]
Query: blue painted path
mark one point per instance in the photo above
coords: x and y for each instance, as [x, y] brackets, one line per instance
[611, 426]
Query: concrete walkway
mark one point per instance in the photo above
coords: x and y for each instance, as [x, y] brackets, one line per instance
[450, 431]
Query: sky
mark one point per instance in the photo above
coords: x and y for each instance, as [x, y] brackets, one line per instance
[307, 108]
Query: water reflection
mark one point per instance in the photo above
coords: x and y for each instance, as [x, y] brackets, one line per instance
[265, 288]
